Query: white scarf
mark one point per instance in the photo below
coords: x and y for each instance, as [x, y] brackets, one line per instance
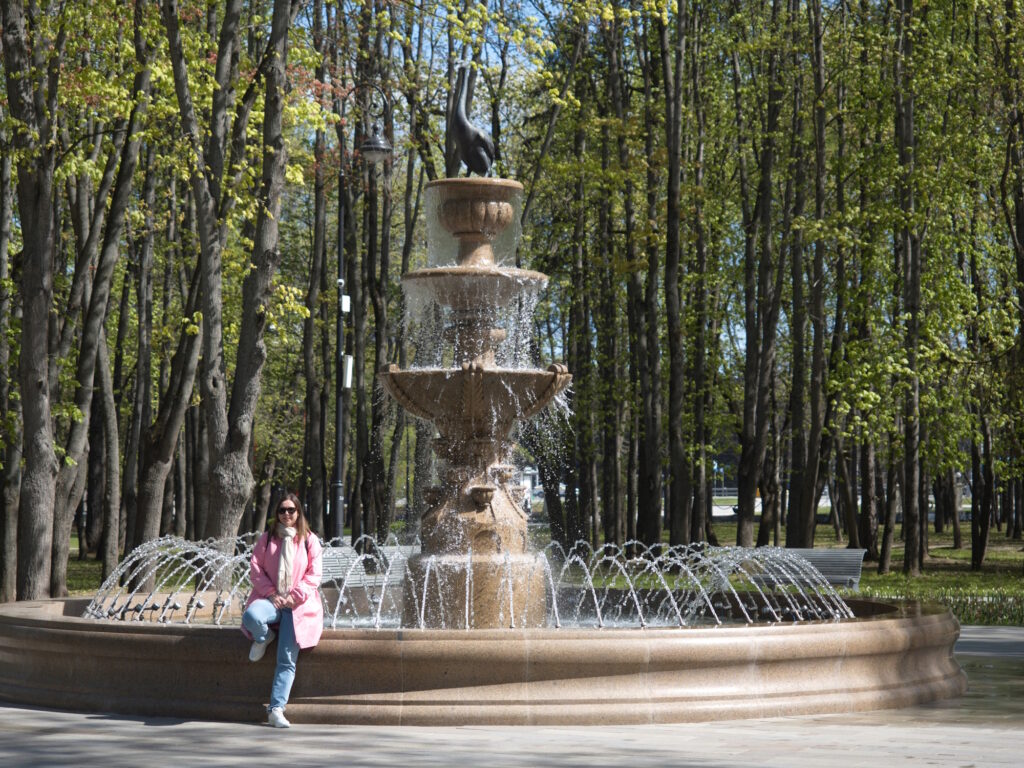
[284, 567]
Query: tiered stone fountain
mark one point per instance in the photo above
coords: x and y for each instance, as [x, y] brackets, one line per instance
[474, 533]
[153, 654]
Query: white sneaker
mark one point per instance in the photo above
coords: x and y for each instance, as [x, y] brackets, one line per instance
[275, 717]
[258, 649]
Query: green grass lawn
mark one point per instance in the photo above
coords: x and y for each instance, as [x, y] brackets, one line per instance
[993, 595]
[84, 576]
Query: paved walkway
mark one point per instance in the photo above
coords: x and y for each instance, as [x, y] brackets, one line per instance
[983, 728]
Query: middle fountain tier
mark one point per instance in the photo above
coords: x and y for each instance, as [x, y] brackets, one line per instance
[475, 570]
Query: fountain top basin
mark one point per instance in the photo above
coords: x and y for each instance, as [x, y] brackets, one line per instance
[475, 188]
[475, 212]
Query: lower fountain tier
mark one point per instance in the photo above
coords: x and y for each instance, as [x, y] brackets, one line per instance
[475, 571]
[892, 657]
[474, 402]
[483, 592]
[474, 287]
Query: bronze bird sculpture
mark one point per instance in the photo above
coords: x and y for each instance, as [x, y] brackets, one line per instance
[476, 148]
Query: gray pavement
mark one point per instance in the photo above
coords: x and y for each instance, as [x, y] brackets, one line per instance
[983, 728]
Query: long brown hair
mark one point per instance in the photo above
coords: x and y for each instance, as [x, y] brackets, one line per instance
[301, 524]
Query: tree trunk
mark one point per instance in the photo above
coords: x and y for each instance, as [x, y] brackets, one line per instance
[922, 505]
[872, 493]
[957, 535]
[264, 488]
[142, 416]
[11, 445]
[167, 503]
[942, 504]
[576, 485]
[414, 501]
[375, 487]
[362, 522]
[608, 357]
[635, 310]
[232, 481]
[581, 321]
[161, 438]
[701, 320]
[208, 164]
[802, 510]
[761, 295]
[1011, 186]
[198, 468]
[181, 505]
[892, 501]
[1018, 489]
[672, 57]
[848, 494]
[868, 511]
[817, 446]
[32, 99]
[89, 533]
[771, 486]
[981, 517]
[910, 252]
[314, 473]
[649, 506]
[800, 528]
[378, 285]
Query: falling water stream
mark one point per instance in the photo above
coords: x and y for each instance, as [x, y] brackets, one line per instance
[171, 580]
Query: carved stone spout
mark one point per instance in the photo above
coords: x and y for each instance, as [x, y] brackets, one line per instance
[482, 495]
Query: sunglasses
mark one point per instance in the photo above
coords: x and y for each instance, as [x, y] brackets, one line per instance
[287, 511]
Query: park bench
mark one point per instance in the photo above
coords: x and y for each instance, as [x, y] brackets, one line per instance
[342, 564]
[840, 567]
[397, 557]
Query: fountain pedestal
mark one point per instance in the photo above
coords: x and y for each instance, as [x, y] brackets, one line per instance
[474, 570]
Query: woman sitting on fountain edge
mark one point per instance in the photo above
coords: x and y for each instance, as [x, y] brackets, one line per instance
[285, 570]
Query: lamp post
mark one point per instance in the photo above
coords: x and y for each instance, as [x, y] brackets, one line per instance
[373, 150]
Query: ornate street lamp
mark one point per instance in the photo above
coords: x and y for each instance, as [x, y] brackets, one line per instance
[374, 150]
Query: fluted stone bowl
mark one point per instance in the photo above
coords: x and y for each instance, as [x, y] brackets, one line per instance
[468, 288]
[474, 401]
[893, 655]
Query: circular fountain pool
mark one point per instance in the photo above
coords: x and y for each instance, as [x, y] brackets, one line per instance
[191, 661]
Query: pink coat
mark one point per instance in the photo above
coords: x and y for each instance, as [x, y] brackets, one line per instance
[307, 570]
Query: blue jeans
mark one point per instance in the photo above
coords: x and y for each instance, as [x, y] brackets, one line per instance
[257, 619]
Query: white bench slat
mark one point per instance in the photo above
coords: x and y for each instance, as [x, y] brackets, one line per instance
[840, 567]
[342, 565]
[338, 565]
